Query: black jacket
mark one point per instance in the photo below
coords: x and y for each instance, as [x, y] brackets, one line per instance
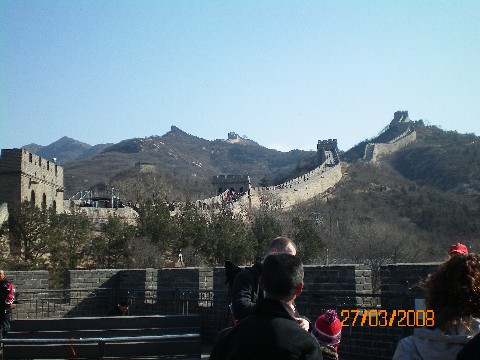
[270, 332]
[471, 351]
[246, 291]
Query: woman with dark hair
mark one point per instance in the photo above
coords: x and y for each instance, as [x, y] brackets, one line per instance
[453, 293]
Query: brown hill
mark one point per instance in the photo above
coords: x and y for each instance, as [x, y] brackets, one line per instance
[185, 159]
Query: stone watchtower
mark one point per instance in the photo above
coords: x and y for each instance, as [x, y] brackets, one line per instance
[401, 122]
[236, 183]
[326, 145]
[26, 176]
[233, 136]
[144, 167]
[400, 116]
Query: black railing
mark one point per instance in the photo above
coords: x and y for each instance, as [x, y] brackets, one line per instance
[373, 335]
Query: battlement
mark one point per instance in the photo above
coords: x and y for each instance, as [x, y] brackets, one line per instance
[400, 116]
[233, 136]
[328, 142]
[26, 176]
[327, 145]
[223, 178]
[236, 183]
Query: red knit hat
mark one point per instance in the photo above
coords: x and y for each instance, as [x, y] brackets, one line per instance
[458, 249]
[328, 329]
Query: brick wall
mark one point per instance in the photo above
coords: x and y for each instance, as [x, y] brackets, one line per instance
[403, 279]
[28, 280]
[28, 284]
[183, 290]
[26, 176]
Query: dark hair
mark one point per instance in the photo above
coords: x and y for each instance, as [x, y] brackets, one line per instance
[280, 244]
[124, 302]
[281, 275]
[452, 291]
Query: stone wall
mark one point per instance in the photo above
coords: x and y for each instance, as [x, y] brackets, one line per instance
[179, 278]
[100, 216]
[334, 287]
[374, 151]
[326, 145]
[28, 280]
[26, 176]
[145, 167]
[239, 183]
[28, 284]
[203, 291]
[403, 279]
[301, 189]
[91, 279]
[400, 116]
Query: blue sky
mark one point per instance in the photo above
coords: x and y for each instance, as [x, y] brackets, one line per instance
[284, 73]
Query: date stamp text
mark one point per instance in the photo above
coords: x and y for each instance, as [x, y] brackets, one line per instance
[395, 318]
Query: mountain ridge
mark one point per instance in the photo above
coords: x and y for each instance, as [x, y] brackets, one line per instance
[195, 159]
[66, 149]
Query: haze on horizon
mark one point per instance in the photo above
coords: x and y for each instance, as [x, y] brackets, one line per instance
[285, 74]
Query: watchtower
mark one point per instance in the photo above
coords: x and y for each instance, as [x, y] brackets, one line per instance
[236, 183]
[145, 167]
[400, 116]
[326, 145]
[233, 136]
[26, 176]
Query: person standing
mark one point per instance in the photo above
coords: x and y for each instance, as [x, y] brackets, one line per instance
[246, 290]
[452, 294]
[7, 296]
[271, 330]
[328, 332]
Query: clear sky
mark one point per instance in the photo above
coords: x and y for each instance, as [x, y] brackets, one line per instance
[284, 73]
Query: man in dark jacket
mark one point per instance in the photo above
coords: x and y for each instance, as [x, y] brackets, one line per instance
[121, 309]
[271, 331]
[246, 291]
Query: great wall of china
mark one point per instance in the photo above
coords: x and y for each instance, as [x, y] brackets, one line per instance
[287, 194]
[373, 151]
[303, 188]
[311, 184]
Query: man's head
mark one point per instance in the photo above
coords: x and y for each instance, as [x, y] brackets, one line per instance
[452, 291]
[281, 245]
[282, 276]
[2, 275]
[123, 305]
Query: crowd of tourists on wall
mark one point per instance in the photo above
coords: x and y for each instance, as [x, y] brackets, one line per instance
[221, 201]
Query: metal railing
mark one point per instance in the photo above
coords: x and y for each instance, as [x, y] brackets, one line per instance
[369, 339]
[97, 302]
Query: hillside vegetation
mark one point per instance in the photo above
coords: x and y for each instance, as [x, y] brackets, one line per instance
[408, 206]
[446, 160]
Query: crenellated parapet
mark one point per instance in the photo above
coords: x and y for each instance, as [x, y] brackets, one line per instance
[324, 147]
[400, 116]
[233, 136]
[330, 144]
[25, 176]
[236, 183]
